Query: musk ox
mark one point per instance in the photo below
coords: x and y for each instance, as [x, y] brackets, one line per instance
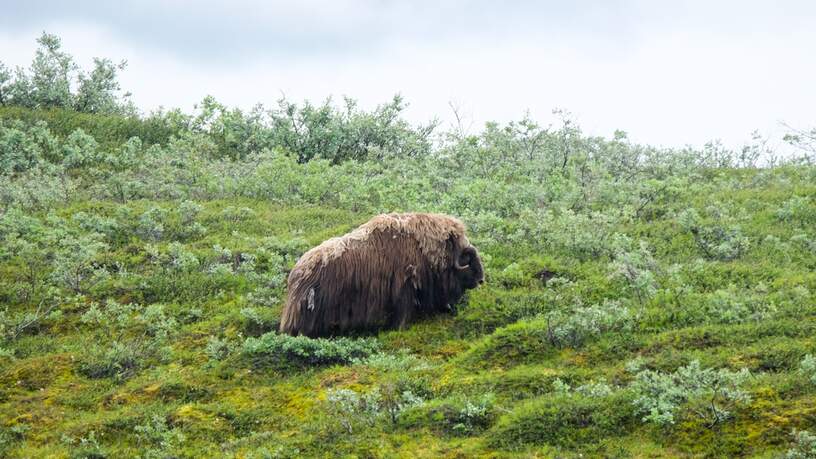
[384, 274]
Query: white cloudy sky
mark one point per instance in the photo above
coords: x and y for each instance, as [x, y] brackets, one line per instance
[668, 72]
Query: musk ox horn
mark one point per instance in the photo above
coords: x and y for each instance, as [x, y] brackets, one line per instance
[469, 251]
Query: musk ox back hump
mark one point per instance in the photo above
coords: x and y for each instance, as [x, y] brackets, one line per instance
[382, 274]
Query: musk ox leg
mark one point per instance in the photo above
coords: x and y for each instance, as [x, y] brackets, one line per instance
[304, 314]
[404, 298]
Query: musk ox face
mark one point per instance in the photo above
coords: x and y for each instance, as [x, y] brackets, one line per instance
[384, 274]
[469, 269]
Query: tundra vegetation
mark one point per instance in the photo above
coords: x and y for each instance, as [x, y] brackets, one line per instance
[638, 301]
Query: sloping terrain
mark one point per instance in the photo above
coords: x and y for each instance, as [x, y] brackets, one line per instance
[637, 302]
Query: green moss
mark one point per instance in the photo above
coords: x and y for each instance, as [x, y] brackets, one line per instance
[520, 343]
[571, 421]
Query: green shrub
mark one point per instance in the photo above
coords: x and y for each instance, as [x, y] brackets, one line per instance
[707, 393]
[797, 208]
[804, 446]
[402, 361]
[277, 349]
[351, 409]
[807, 368]
[11, 435]
[457, 415]
[590, 389]
[156, 439]
[638, 270]
[573, 328]
[217, 348]
[119, 360]
[354, 411]
[257, 321]
[734, 305]
[717, 240]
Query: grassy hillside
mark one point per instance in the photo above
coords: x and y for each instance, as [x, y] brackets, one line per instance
[638, 302]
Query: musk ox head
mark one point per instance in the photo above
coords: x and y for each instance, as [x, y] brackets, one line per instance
[384, 274]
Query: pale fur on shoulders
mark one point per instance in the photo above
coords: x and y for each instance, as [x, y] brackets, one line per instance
[431, 231]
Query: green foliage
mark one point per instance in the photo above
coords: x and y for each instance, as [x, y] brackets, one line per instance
[567, 420]
[110, 130]
[707, 393]
[716, 240]
[798, 209]
[354, 411]
[156, 439]
[217, 348]
[590, 389]
[143, 265]
[277, 349]
[573, 328]
[808, 368]
[458, 415]
[53, 72]
[804, 446]
[638, 270]
[118, 360]
[311, 132]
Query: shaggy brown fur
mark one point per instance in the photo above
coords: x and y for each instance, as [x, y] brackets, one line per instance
[387, 272]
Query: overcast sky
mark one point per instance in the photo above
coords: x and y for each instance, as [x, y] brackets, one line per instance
[668, 72]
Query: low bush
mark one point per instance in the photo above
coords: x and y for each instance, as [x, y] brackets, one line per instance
[571, 420]
[118, 360]
[703, 392]
[807, 368]
[456, 415]
[353, 410]
[718, 239]
[277, 349]
[573, 328]
[804, 446]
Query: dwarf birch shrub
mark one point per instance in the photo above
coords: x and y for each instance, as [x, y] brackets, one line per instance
[119, 360]
[152, 224]
[74, 263]
[586, 236]
[157, 323]
[93, 223]
[258, 320]
[187, 226]
[124, 357]
[180, 260]
[352, 409]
